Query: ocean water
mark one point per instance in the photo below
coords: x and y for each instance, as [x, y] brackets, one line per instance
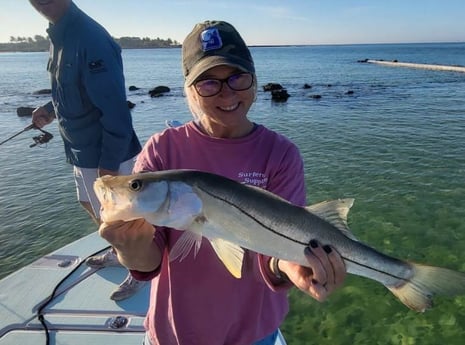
[395, 143]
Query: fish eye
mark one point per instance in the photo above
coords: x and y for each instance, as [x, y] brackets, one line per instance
[135, 185]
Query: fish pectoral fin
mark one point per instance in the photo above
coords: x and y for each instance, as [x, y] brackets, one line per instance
[184, 245]
[230, 254]
[184, 206]
[335, 212]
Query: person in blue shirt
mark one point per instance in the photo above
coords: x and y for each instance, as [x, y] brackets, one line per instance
[89, 103]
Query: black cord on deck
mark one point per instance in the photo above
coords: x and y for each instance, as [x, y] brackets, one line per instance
[40, 314]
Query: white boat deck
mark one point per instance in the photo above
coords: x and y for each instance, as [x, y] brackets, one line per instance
[80, 311]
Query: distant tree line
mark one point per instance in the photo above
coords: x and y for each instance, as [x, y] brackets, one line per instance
[25, 44]
[40, 43]
[146, 42]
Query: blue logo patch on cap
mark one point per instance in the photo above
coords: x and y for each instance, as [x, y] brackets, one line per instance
[211, 39]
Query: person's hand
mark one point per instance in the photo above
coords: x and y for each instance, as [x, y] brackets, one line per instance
[326, 272]
[41, 117]
[133, 242]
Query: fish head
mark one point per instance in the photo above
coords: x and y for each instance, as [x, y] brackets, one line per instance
[129, 197]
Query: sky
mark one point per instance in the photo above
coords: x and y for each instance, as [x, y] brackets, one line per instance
[262, 22]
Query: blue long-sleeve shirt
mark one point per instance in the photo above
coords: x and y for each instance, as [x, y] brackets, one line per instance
[88, 93]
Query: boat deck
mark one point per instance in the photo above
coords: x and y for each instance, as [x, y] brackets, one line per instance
[80, 312]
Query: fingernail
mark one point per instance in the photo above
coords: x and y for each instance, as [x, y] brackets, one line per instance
[327, 249]
[315, 282]
[313, 243]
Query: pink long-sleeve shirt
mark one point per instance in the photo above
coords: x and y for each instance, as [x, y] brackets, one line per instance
[197, 300]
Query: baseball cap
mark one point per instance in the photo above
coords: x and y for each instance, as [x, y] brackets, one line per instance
[211, 44]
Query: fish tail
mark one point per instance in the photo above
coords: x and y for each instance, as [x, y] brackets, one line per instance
[427, 281]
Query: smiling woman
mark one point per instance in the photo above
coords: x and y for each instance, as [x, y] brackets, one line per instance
[220, 88]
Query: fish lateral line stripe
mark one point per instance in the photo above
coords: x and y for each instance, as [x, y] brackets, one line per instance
[289, 238]
[373, 269]
[251, 217]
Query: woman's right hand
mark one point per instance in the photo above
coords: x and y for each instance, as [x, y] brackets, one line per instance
[133, 242]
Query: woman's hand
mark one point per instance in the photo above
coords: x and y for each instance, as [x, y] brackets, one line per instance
[326, 271]
[133, 242]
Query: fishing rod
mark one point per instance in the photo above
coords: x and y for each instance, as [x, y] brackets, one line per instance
[43, 138]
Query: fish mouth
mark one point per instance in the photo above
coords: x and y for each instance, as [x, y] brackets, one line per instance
[104, 194]
[109, 202]
[99, 189]
[115, 202]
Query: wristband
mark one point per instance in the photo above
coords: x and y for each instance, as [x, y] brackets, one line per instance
[276, 271]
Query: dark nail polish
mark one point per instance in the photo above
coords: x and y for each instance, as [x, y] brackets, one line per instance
[327, 249]
[314, 282]
[307, 251]
[313, 244]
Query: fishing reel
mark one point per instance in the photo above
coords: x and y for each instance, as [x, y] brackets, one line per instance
[42, 138]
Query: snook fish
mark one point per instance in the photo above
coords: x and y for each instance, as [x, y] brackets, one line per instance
[234, 216]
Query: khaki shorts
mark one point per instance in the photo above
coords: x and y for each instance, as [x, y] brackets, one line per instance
[85, 178]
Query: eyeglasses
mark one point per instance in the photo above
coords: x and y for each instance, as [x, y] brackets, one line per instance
[212, 87]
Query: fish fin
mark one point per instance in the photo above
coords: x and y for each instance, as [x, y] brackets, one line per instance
[230, 254]
[184, 206]
[335, 212]
[426, 282]
[184, 245]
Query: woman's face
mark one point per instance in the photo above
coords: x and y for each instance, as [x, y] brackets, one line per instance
[228, 108]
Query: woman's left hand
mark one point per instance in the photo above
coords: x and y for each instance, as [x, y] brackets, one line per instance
[326, 271]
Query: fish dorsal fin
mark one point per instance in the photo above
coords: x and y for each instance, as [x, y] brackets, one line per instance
[184, 245]
[334, 212]
[230, 254]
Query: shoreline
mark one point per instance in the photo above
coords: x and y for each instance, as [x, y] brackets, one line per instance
[24, 50]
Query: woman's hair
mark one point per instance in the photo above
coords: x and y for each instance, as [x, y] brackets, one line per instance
[194, 107]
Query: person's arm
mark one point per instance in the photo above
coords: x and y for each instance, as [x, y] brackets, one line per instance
[104, 83]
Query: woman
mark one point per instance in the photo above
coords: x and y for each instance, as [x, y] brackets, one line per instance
[196, 300]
